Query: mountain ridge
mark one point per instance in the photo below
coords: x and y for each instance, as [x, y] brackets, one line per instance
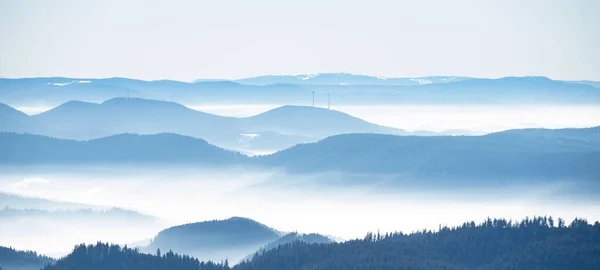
[343, 78]
[512, 155]
[423, 90]
[85, 120]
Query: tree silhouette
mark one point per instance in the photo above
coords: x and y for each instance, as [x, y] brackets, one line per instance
[532, 243]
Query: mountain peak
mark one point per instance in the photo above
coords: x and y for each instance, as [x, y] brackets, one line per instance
[76, 103]
[8, 110]
[220, 224]
[287, 111]
[70, 106]
[301, 107]
[142, 103]
[321, 122]
[135, 100]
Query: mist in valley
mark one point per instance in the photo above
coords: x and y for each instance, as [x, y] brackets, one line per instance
[47, 208]
[337, 204]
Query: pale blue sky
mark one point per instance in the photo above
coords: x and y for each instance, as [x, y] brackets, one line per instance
[185, 40]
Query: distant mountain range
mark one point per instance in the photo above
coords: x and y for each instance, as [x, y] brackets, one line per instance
[344, 79]
[14, 201]
[127, 216]
[273, 130]
[513, 155]
[13, 207]
[344, 88]
[592, 83]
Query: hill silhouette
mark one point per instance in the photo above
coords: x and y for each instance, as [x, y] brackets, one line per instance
[347, 88]
[283, 127]
[12, 119]
[528, 155]
[123, 148]
[11, 259]
[514, 154]
[83, 120]
[230, 239]
[312, 122]
[344, 79]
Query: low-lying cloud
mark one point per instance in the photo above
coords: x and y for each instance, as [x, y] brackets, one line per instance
[339, 204]
[33, 181]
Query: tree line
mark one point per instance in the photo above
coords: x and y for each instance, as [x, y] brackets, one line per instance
[532, 243]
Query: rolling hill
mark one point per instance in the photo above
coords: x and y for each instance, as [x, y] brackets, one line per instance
[83, 120]
[123, 148]
[12, 119]
[528, 155]
[270, 131]
[312, 122]
[516, 155]
[215, 240]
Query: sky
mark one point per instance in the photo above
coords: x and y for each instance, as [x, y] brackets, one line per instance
[229, 39]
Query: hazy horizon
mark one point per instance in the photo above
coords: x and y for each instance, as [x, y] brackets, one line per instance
[201, 78]
[238, 39]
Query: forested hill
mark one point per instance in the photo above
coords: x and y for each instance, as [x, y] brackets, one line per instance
[290, 238]
[11, 259]
[113, 257]
[494, 244]
[514, 154]
[538, 243]
[232, 238]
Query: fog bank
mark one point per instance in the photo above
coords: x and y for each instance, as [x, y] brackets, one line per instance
[303, 203]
